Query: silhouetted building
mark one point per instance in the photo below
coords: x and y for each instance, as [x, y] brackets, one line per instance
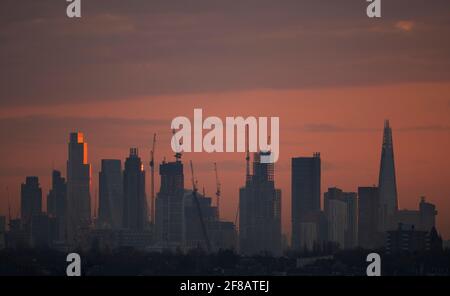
[407, 239]
[57, 203]
[221, 234]
[305, 208]
[312, 231]
[388, 204]
[17, 236]
[78, 187]
[436, 243]
[110, 239]
[351, 235]
[40, 231]
[110, 211]
[341, 210]
[194, 236]
[260, 211]
[2, 232]
[423, 219]
[135, 201]
[368, 234]
[169, 203]
[31, 200]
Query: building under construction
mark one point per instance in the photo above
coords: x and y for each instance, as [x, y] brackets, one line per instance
[260, 210]
[169, 205]
[186, 219]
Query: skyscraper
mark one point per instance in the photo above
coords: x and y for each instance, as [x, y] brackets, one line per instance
[422, 219]
[56, 198]
[78, 186]
[351, 235]
[135, 200]
[387, 183]
[31, 199]
[170, 230]
[341, 210]
[305, 184]
[57, 203]
[260, 211]
[368, 217]
[111, 194]
[2, 232]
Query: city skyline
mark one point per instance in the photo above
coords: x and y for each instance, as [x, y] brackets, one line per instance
[79, 152]
[123, 71]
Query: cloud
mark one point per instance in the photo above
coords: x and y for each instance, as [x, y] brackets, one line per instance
[406, 26]
[122, 49]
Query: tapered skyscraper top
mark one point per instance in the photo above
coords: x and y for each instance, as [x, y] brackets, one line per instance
[387, 181]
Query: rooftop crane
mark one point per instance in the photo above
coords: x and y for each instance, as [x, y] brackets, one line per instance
[152, 180]
[218, 191]
[197, 203]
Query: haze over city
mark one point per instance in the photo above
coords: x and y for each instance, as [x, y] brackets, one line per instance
[332, 76]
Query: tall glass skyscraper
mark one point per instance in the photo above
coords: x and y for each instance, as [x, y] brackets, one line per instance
[305, 194]
[111, 194]
[135, 200]
[78, 186]
[387, 183]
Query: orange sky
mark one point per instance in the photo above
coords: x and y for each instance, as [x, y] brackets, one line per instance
[344, 124]
[127, 68]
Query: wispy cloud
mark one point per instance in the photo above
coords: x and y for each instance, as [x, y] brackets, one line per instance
[406, 26]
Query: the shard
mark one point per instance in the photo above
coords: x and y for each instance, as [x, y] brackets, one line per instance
[388, 205]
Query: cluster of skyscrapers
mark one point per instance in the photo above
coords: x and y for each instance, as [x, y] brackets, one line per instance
[184, 218]
[368, 218]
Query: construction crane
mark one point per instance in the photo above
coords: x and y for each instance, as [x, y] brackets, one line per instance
[218, 191]
[152, 180]
[197, 203]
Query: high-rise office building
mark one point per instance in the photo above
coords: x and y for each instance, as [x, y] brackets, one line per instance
[110, 211]
[135, 201]
[56, 198]
[2, 232]
[351, 235]
[341, 210]
[169, 204]
[368, 200]
[305, 184]
[423, 219]
[260, 211]
[78, 187]
[57, 204]
[387, 185]
[31, 199]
